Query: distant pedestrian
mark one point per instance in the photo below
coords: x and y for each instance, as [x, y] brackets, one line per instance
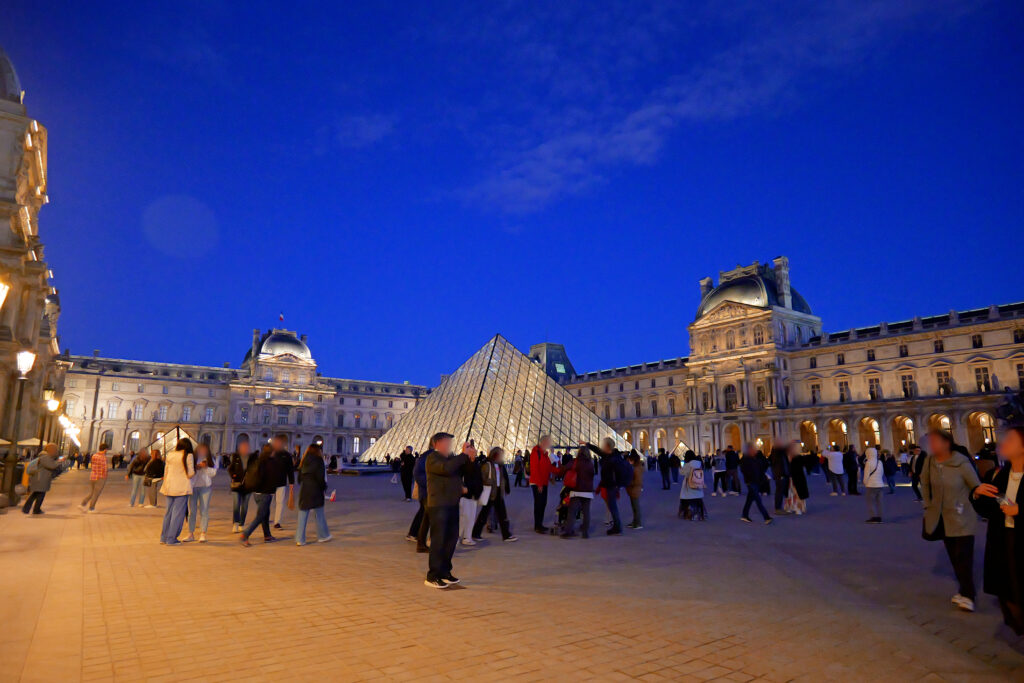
[518, 469]
[137, 476]
[97, 479]
[179, 469]
[948, 481]
[799, 491]
[779, 463]
[312, 486]
[42, 473]
[154, 475]
[918, 458]
[675, 464]
[874, 484]
[754, 469]
[420, 526]
[636, 488]
[408, 461]
[263, 481]
[889, 469]
[202, 490]
[718, 473]
[732, 470]
[691, 493]
[444, 490]
[664, 468]
[834, 470]
[852, 469]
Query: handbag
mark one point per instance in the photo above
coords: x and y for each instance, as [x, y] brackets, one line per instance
[147, 481]
[291, 499]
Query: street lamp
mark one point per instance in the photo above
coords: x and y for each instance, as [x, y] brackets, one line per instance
[4, 289]
[25, 360]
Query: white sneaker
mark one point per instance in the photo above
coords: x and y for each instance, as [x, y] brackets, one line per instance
[714, 493]
[468, 541]
[189, 539]
[833, 494]
[147, 505]
[91, 511]
[966, 604]
[234, 528]
[326, 539]
[202, 538]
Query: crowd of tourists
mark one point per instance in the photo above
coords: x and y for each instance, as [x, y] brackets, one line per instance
[460, 495]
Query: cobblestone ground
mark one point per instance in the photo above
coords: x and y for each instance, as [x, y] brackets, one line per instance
[823, 597]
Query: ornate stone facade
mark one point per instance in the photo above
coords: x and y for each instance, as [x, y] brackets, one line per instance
[31, 307]
[760, 369]
[277, 388]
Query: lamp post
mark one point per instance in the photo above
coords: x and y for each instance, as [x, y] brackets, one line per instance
[51, 404]
[26, 359]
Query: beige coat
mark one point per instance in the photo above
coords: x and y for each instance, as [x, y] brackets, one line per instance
[946, 488]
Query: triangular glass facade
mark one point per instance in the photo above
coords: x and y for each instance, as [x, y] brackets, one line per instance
[498, 397]
[166, 442]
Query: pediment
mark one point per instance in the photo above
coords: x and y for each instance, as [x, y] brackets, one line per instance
[728, 310]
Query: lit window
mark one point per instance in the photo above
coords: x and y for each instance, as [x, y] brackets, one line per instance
[208, 415]
[357, 420]
[141, 388]
[355, 444]
[373, 422]
[981, 379]
[162, 414]
[114, 386]
[243, 414]
[266, 394]
[815, 393]
[112, 410]
[907, 384]
[844, 391]
[944, 383]
[874, 388]
[186, 413]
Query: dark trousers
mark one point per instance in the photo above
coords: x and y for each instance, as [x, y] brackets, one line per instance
[262, 518]
[576, 506]
[498, 505]
[519, 479]
[851, 482]
[444, 534]
[666, 483]
[423, 529]
[915, 485]
[406, 477]
[417, 519]
[540, 504]
[733, 478]
[613, 507]
[675, 474]
[754, 496]
[781, 489]
[961, 554]
[34, 497]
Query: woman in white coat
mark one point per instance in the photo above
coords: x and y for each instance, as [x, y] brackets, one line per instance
[874, 484]
[179, 469]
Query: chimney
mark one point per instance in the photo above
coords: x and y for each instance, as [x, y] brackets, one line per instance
[303, 338]
[781, 268]
[255, 343]
[95, 353]
[883, 329]
[954, 317]
[706, 285]
[917, 323]
[993, 312]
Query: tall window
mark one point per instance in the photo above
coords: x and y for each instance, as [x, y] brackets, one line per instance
[163, 389]
[357, 420]
[607, 412]
[1018, 335]
[705, 400]
[355, 445]
[874, 388]
[762, 396]
[112, 410]
[243, 414]
[162, 413]
[339, 445]
[636, 408]
[208, 415]
[210, 393]
[302, 397]
[840, 359]
[266, 416]
[282, 415]
[812, 362]
[285, 377]
[266, 394]
[115, 386]
[69, 406]
[976, 341]
[907, 384]
[671, 406]
[759, 335]
[654, 409]
[373, 422]
[904, 351]
[944, 383]
[939, 346]
[1020, 376]
[300, 415]
[730, 397]
[636, 385]
[871, 354]
[188, 391]
[654, 383]
[622, 411]
[730, 340]
[186, 413]
[844, 391]
[133, 441]
[981, 379]
[318, 418]
[140, 388]
[341, 419]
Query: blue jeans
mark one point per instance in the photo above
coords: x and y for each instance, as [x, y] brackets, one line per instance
[613, 507]
[138, 490]
[321, 524]
[262, 518]
[200, 498]
[240, 507]
[174, 518]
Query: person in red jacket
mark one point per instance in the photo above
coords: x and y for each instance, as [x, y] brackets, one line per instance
[540, 476]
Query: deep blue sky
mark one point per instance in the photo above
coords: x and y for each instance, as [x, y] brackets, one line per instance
[380, 171]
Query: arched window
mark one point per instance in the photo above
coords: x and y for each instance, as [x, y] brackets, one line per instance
[730, 340]
[355, 445]
[730, 397]
[107, 438]
[759, 335]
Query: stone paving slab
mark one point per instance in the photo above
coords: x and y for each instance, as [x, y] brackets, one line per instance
[823, 597]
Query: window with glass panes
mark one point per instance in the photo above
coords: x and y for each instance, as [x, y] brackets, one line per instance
[943, 382]
[875, 388]
[208, 415]
[162, 413]
[1020, 376]
[815, 393]
[844, 390]
[186, 413]
[636, 408]
[282, 415]
[981, 378]
[907, 384]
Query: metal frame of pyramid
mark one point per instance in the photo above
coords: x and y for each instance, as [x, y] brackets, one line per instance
[499, 397]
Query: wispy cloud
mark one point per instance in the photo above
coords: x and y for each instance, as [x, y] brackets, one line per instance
[598, 113]
[354, 132]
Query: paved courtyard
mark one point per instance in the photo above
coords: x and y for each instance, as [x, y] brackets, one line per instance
[824, 597]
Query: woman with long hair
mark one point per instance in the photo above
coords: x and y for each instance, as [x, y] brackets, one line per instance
[948, 485]
[312, 485]
[691, 494]
[202, 489]
[179, 468]
[1004, 540]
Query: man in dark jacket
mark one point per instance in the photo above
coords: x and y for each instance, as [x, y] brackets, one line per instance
[287, 468]
[408, 462]
[779, 461]
[611, 463]
[917, 462]
[753, 469]
[444, 490]
[852, 470]
[663, 468]
[46, 465]
[732, 466]
[675, 464]
[269, 472]
[495, 478]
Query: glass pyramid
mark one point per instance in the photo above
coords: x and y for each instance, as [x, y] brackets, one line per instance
[166, 443]
[498, 397]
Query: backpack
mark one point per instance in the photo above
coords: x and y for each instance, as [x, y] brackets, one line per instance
[251, 480]
[695, 480]
[623, 472]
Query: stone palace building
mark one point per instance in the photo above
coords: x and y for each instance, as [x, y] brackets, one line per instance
[761, 369]
[127, 403]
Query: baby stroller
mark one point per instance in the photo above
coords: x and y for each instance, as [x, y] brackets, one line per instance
[562, 511]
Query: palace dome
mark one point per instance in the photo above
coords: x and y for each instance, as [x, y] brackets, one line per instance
[280, 343]
[10, 86]
[752, 290]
